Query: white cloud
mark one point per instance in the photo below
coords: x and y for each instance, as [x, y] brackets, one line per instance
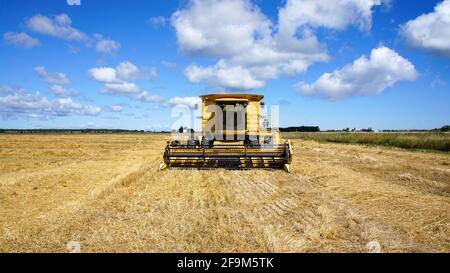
[18, 102]
[74, 2]
[6, 89]
[20, 39]
[250, 48]
[23, 103]
[218, 28]
[65, 106]
[337, 14]
[122, 73]
[63, 92]
[115, 108]
[59, 26]
[63, 19]
[430, 31]
[56, 80]
[188, 101]
[119, 80]
[363, 77]
[233, 77]
[51, 77]
[121, 87]
[127, 71]
[169, 64]
[103, 74]
[107, 46]
[158, 20]
[146, 97]
[90, 110]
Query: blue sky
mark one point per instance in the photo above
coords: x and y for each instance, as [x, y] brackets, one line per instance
[125, 64]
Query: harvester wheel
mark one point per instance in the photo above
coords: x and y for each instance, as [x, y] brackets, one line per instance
[192, 143]
[268, 140]
[252, 143]
[207, 143]
[175, 143]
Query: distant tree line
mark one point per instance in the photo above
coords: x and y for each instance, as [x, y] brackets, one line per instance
[301, 129]
[351, 130]
[72, 131]
[443, 129]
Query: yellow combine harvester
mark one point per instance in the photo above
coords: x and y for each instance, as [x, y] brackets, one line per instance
[232, 137]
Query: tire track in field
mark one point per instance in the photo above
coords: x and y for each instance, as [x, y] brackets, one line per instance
[299, 213]
[272, 202]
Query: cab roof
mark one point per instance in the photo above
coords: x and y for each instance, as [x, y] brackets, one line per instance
[230, 97]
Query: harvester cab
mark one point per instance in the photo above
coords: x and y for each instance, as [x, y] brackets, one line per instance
[234, 135]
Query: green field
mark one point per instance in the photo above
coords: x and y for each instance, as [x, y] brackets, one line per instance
[426, 141]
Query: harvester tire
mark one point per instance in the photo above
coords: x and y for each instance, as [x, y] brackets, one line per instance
[268, 140]
[192, 143]
[252, 143]
[207, 143]
[175, 143]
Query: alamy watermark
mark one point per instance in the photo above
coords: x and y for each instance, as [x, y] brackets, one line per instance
[226, 121]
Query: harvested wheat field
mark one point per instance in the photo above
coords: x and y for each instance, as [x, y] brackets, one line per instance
[105, 192]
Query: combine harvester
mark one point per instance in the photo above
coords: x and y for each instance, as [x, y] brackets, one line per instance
[232, 137]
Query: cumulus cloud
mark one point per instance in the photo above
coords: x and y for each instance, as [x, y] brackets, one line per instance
[18, 102]
[106, 46]
[74, 2]
[146, 97]
[188, 101]
[23, 103]
[90, 110]
[337, 14]
[51, 77]
[121, 87]
[7, 89]
[59, 26]
[252, 49]
[222, 74]
[127, 71]
[20, 39]
[65, 106]
[103, 74]
[431, 31]
[365, 76]
[119, 80]
[61, 91]
[56, 80]
[122, 73]
[217, 28]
